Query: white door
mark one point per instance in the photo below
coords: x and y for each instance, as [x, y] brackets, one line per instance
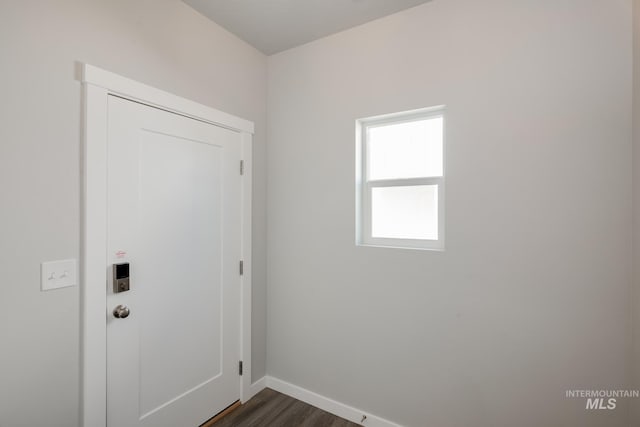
[174, 215]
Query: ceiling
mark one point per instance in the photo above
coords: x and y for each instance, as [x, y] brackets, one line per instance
[276, 25]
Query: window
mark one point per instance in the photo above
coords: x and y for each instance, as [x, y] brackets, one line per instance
[400, 180]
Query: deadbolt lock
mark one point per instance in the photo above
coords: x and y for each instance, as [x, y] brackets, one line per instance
[120, 278]
[121, 285]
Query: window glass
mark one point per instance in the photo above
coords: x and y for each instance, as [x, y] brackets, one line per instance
[405, 150]
[409, 212]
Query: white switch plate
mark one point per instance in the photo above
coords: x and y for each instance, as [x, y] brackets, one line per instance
[58, 274]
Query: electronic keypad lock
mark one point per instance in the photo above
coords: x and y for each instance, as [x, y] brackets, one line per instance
[120, 277]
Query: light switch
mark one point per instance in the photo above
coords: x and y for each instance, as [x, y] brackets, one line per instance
[58, 274]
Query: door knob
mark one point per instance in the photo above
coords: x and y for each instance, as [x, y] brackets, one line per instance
[121, 312]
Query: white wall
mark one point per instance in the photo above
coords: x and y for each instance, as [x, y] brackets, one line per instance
[530, 297]
[163, 43]
[635, 414]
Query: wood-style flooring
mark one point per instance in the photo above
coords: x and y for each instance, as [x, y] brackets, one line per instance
[272, 409]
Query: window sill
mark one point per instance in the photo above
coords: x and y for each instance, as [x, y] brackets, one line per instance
[392, 246]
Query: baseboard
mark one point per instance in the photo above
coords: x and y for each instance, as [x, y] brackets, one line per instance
[336, 408]
[256, 388]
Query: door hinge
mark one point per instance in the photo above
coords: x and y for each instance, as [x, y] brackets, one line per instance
[240, 367]
[241, 167]
[241, 268]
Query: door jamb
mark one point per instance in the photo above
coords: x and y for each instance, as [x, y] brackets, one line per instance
[97, 85]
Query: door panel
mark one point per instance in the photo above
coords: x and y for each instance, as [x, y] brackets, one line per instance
[174, 215]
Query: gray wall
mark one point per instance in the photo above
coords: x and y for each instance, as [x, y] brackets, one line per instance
[635, 413]
[163, 43]
[531, 296]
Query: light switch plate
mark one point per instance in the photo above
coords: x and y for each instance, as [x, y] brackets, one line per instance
[58, 274]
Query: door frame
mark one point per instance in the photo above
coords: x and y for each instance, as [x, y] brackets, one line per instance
[97, 85]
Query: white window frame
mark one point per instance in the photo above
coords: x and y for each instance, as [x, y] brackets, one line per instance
[364, 186]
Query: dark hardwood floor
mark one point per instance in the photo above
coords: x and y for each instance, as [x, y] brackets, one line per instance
[272, 409]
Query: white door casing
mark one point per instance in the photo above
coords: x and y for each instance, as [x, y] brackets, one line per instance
[197, 380]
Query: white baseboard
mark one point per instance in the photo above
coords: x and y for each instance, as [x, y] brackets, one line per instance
[336, 408]
[256, 388]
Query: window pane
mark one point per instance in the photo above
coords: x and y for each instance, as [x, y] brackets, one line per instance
[405, 212]
[405, 150]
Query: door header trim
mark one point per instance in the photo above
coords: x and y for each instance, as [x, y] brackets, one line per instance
[130, 89]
